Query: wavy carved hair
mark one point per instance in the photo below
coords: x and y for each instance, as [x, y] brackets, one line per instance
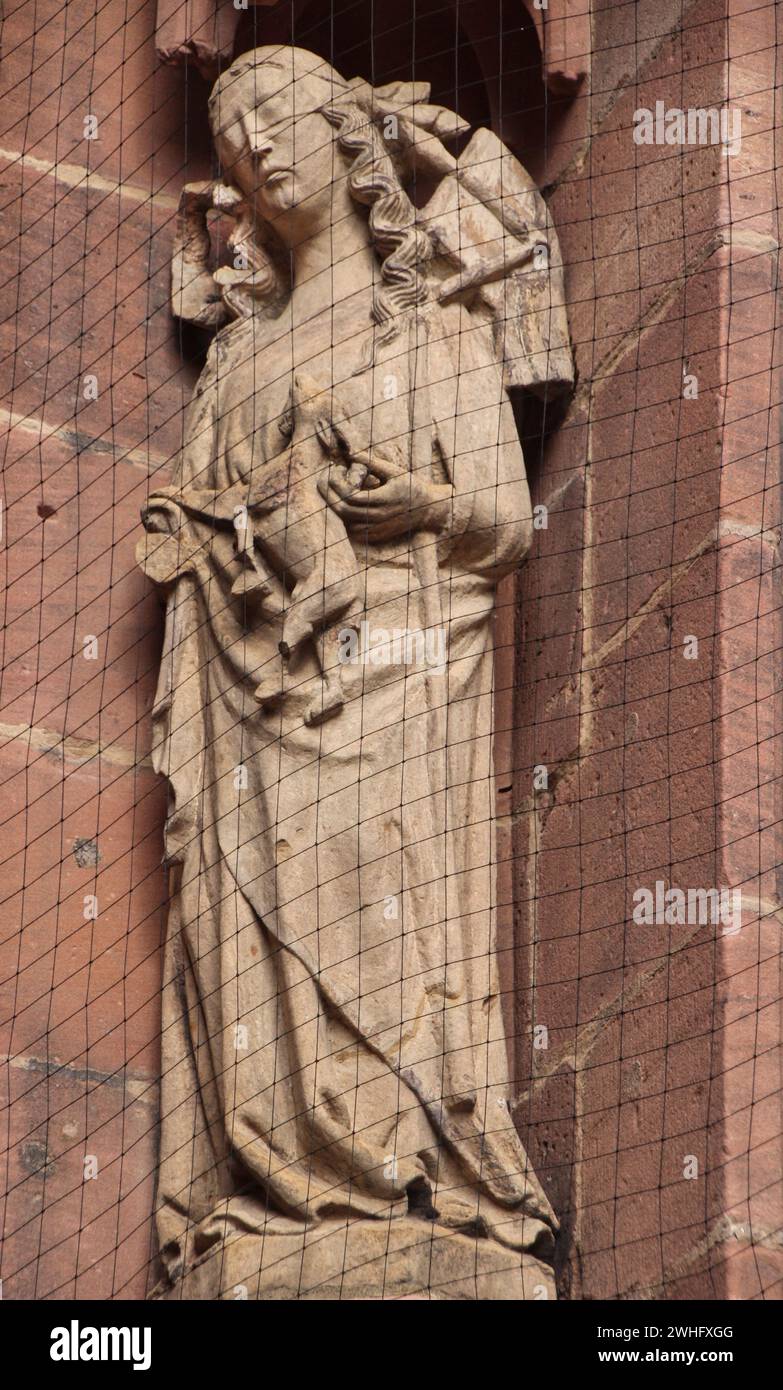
[401, 246]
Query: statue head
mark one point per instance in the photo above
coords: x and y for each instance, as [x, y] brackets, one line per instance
[268, 116]
[296, 138]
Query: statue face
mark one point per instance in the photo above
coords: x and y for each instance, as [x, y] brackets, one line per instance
[284, 162]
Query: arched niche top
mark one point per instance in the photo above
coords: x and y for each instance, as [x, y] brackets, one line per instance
[203, 33]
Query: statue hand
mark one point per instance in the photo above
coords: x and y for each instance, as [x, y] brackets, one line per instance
[199, 197]
[400, 502]
[195, 201]
[196, 197]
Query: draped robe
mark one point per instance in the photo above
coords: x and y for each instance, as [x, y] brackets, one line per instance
[334, 1054]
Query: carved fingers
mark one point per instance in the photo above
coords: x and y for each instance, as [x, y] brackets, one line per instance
[401, 503]
[209, 193]
[226, 198]
[195, 201]
[196, 197]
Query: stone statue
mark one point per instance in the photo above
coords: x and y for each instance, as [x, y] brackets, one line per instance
[335, 1093]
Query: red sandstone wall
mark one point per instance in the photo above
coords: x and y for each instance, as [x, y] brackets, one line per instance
[85, 266]
[663, 523]
[664, 1040]
[748, 665]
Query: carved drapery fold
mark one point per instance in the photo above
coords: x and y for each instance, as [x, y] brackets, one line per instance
[335, 1092]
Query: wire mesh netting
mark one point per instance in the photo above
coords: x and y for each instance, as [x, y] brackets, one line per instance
[607, 891]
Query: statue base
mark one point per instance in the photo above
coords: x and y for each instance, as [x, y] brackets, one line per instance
[380, 1260]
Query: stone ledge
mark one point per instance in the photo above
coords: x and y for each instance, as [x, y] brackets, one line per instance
[70, 748]
[76, 176]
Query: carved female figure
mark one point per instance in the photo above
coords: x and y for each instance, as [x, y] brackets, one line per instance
[335, 1118]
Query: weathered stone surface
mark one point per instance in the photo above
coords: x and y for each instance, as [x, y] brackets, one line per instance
[335, 1114]
[367, 1260]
